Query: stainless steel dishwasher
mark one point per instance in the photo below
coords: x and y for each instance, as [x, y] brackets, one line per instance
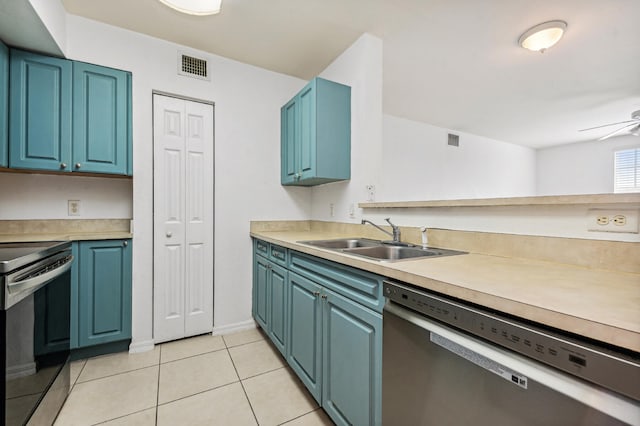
[448, 363]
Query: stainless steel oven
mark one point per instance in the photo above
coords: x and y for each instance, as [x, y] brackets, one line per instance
[34, 301]
[448, 363]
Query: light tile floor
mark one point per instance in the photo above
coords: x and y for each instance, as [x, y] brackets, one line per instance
[237, 379]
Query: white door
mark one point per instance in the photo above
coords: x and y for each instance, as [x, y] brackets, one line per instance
[182, 218]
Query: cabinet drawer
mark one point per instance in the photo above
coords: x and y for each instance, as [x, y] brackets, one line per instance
[278, 254]
[262, 248]
[359, 286]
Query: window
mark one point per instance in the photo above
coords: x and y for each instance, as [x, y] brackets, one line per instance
[627, 170]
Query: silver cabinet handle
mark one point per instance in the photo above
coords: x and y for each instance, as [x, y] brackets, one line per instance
[268, 266]
[324, 296]
[63, 165]
[316, 293]
[78, 165]
[126, 243]
[169, 234]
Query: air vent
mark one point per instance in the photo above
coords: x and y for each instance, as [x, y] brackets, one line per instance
[454, 140]
[191, 66]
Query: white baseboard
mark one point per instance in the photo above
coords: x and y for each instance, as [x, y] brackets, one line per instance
[143, 346]
[232, 328]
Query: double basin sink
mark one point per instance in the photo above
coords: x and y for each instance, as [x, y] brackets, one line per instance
[380, 251]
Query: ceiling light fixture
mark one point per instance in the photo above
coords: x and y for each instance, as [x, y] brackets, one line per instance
[542, 36]
[195, 7]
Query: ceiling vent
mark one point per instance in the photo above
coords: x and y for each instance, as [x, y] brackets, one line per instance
[191, 66]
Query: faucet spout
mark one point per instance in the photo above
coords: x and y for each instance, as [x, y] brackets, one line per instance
[396, 230]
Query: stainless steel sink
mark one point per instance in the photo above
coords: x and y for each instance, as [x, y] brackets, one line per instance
[392, 253]
[378, 250]
[343, 243]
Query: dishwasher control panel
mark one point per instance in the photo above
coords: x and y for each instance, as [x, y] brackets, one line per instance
[618, 372]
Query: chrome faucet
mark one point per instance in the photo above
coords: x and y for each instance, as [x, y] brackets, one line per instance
[396, 230]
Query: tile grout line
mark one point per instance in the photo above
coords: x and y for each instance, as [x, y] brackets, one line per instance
[114, 374]
[243, 389]
[192, 356]
[197, 393]
[121, 417]
[301, 415]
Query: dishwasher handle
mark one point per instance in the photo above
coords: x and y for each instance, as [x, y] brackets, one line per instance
[614, 405]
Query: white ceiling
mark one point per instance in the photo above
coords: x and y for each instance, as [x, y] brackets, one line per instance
[450, 63]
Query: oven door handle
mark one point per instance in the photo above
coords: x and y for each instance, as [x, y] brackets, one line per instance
[34, 283]
[614, 405]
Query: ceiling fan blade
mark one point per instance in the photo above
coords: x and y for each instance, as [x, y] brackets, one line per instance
[620, 130]
[607, 125]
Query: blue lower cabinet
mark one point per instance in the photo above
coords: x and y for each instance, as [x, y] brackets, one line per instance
[278, 306]
[101, 293]
[304, 353]
[351, 362]
[270, 299]
[260, 291]
[331, 341]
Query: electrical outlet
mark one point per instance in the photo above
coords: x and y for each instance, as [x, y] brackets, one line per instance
[613, 221]
[73, 207]
[371, 193]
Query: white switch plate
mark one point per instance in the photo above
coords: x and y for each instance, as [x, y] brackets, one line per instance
[599, 220]
[73, 208]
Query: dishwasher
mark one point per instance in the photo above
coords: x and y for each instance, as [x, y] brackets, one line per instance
[446, 362]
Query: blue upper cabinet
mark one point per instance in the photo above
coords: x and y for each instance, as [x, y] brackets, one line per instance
[316, 135]
[68, 116]
[40, 112]
[4, 105]
[100, 117]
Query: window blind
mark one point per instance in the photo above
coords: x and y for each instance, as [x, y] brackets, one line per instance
[627, 170]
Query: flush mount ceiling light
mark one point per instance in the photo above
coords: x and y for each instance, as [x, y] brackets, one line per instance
[195, 7]
[542, 36]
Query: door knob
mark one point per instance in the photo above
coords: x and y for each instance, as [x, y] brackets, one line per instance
[78, 165]
[169, 234]
[63, 165]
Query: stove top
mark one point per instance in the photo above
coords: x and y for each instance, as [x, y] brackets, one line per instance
[16, 255]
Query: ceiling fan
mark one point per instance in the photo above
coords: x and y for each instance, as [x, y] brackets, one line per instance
[631, 126]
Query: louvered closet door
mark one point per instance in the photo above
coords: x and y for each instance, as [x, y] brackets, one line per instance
[183, 218]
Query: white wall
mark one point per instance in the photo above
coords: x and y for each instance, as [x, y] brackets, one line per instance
[247, 157]
[360, 67]
[581, 168]
[419, 165]
[35, 196]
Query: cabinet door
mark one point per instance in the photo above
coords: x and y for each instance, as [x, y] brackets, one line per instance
[307, 130]
[261, 291]
[304, 352]
[4, 105]
[104, 291]
[40, 120]
[99, 119]
[352, 362]
[278, 306]
[289, 143]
